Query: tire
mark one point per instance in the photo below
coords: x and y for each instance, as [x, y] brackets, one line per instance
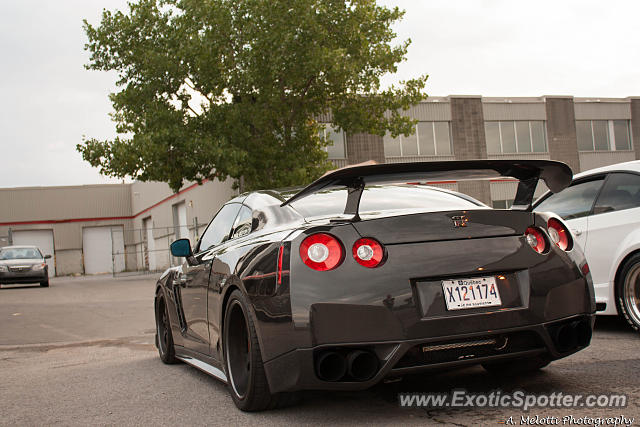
[246, 380]
[164, 337]
[45, 284]
[628, 292]
[517, 367]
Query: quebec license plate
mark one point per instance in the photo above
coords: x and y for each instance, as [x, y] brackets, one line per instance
[478, 292]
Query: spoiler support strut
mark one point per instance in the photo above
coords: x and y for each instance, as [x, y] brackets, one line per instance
[524, 194]
[354, 194]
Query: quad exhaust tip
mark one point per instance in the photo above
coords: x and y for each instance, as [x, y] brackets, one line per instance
[363, 365]
[355, 365]
[331, 366]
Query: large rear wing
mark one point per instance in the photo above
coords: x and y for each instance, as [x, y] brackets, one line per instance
[556, 175]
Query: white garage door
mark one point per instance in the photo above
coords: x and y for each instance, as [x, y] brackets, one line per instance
[43, 239]
[103, 249]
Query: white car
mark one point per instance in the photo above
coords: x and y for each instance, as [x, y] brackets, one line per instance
[602, 209]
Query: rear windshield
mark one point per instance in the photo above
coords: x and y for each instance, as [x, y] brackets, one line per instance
[385, 198]
[20, 253]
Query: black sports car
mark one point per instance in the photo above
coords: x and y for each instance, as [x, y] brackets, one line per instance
[365, 275]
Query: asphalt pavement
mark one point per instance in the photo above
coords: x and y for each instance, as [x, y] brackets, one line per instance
[81, 353]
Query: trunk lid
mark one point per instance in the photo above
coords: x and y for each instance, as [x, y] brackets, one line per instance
[444, 225]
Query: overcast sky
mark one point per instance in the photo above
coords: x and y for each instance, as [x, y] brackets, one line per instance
[481, 47]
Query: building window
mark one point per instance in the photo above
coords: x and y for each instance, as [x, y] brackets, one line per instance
[521, 136]
[336, 138]
[603, 135]
[429, 139]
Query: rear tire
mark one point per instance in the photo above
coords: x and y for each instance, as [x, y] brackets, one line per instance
[628, 292]
[164, 337]
[45, 284]
[517, 367]
[246, 379]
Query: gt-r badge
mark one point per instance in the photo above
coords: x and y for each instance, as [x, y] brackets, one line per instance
[459, 220]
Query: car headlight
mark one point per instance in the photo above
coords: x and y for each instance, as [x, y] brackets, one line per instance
[4, 268]
[39, 266]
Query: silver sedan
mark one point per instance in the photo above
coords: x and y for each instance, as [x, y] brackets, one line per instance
[23, 264]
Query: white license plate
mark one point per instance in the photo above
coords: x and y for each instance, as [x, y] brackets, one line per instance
[478, 292]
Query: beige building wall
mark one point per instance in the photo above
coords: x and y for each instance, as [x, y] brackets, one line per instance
[513, 109]
[58, 203]
[67, 211]
[602, 108]
[67, 239]
[154, 201]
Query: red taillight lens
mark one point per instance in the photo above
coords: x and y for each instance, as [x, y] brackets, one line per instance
[559, 234]
[280, 258]
[536, 240]
[368, 252]
[321, 252]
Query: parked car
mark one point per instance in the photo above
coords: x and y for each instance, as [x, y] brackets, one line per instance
[357, 278]
[23, 264]
[602, 208]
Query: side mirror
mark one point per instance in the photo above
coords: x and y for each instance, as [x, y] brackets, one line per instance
[47, 257]
[181, 248]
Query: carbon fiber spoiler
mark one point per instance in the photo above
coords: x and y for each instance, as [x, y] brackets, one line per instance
[556, 175]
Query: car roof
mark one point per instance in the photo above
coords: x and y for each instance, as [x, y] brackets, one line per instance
[633, 166]
[20, 247]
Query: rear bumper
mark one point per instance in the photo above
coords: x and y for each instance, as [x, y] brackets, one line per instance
[399, 307]
[297, 370]
[26, 277]
[605, 298]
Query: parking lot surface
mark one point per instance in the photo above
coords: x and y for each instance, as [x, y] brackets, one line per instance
[81, 353]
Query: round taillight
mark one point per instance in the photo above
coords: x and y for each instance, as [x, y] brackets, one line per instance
[368, 252]
[536, 240]
[321, 252]
[559, 234]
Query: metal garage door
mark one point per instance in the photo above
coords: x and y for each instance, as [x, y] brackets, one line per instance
[43, 239]
[103, 249]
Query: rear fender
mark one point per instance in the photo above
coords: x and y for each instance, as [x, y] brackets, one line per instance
[628, 246]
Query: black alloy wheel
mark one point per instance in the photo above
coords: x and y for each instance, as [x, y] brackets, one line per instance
[164, 338]
[246, 378]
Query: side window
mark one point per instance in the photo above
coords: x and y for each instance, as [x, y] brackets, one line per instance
[573, 202]
[622, 191]
[242, 226]
[219, 228]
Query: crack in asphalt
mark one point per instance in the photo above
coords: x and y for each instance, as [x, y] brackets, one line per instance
[433, 418]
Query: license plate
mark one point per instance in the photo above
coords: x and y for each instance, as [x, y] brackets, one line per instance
[478, 292]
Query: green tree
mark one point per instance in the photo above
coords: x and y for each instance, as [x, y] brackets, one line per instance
[233, 88]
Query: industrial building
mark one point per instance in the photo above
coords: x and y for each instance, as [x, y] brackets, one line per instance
[128, 227]
[110, 228]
